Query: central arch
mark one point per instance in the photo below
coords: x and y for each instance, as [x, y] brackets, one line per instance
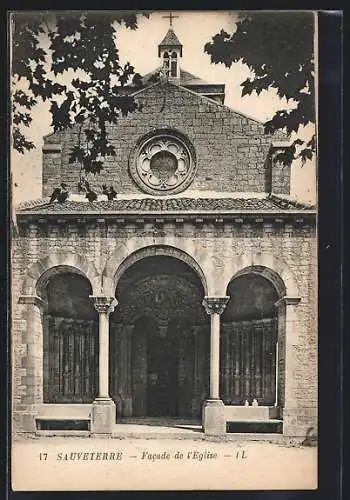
[159, 336]
[165, 251]
[136, 248]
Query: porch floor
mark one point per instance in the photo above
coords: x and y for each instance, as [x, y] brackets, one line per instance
[149, 426]
[179, 428]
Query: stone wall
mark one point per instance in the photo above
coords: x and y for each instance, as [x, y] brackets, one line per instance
[232, 151]
[221, 251]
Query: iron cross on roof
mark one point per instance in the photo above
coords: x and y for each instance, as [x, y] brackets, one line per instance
[170, 17]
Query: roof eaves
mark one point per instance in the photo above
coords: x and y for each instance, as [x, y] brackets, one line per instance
[164, 212]
[281, 201]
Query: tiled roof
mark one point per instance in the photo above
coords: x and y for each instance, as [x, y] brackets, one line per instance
[170, 39]
[186, 78]
[142, 206]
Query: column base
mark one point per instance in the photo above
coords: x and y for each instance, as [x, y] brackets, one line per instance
[213, 417]
[103, 416]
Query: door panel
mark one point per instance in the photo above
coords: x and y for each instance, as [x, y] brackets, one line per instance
[72, 361]
[248, 361]
[162, 373]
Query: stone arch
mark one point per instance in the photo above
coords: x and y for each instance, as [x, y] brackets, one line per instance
[136, 249]
[40, 272]
[266, 273]
[277, 272]
[268, 266]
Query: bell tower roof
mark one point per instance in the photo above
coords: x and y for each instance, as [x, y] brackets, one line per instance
[170, 41]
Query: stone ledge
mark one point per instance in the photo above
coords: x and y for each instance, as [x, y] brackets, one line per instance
[247, 413]
[52, 148]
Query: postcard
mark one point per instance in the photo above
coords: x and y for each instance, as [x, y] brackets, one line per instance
[164, 250]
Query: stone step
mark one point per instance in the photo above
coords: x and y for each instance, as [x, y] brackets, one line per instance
[200, 436]
[62, 417]
[251, 412]
[256, 420]
[274, 426]
[71, 411]
[195, 436]
[60, 423]
[62, 433]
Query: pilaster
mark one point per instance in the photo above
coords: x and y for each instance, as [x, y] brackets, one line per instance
[287, 340]
[31, 363]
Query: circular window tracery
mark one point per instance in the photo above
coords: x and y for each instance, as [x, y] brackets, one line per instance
[163, 165]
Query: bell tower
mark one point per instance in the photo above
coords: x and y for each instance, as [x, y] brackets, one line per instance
[170, 51]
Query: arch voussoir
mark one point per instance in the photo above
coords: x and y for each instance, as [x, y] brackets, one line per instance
[41, 270]
[136, 249]
[268, 266]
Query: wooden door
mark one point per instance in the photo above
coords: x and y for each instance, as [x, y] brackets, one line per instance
[72, 360]
[248, 361]
[162, 372]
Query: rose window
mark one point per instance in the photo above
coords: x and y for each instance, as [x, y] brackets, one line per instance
[163, 165]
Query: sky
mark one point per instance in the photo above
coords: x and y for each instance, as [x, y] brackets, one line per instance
[140, 48]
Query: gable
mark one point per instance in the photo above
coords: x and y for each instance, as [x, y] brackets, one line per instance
[232, 153]
[189, 97]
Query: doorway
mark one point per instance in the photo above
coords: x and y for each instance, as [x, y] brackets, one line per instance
[161, 322]
[162, 372]
[248, 342]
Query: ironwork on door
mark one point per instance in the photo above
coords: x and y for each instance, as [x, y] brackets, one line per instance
[71, 367]
[248, 361]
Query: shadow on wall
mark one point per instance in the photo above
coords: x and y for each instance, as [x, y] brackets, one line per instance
[310, 438]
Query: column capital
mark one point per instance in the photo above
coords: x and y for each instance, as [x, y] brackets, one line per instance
[288, 301]
[31, 299]
[215, 305]
[104, 304]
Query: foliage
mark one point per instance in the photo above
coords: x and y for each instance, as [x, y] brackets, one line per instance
[278, 49]
[72, 61]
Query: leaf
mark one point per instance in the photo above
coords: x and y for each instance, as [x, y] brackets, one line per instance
[83, 42]
[19, 118]
[285, 156]
[76, 154]
[278, 50]
[19, 141]
[306, 154]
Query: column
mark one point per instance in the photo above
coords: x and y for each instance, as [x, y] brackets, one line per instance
[213, 419]
[103, 408]
[196, 331]
[286, 362]
[125, 369]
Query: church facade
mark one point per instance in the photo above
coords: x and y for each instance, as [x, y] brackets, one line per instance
[191, 295]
